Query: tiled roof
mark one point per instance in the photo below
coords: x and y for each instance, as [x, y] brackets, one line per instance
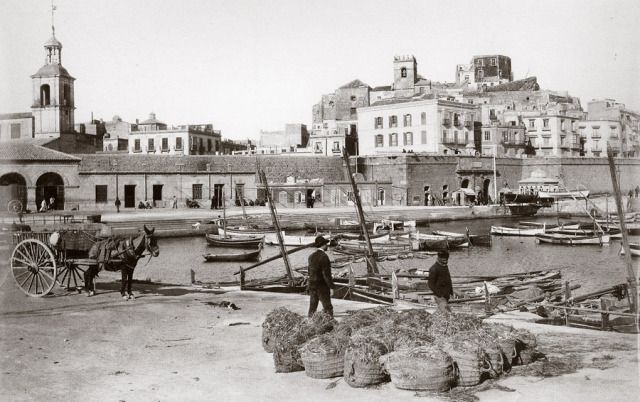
[392, 101]
[382, 88]
[32, 150]
[52, 70]
[354, 84]
[11, 116]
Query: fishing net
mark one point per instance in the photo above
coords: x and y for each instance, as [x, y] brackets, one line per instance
[447, 324]
[362, 365]
[361, 318]
[323, 356]
[286, 355]
[278, 322]
[425, 368]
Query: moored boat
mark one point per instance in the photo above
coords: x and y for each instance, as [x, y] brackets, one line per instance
[517, 231]
[290, 240]
[564, 194]
[244, 231]
[242, 256]
[572, 240]
[235, 242]
[474, 240]
[634, 248]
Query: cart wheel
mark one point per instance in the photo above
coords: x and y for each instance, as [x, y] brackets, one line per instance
[34, 267]
[70, 275]
[14, 206]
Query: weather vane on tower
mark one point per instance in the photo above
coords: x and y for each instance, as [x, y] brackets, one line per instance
[53, 28]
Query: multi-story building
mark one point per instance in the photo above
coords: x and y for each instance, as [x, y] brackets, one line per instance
[153, 137]
[417, 124]
[16, 126]
[553, 132]
[332, 135]
[484, 71]
[293, 137]
[611, 123]
[508, 139]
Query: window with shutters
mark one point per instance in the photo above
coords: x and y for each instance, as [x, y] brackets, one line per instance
[379, 141]
[101, 194]
[408, 138]
[196, 191]
[423, 134]
[378, 122]
[393, 139]
[150, 145]
[423, 118]
[393, 121]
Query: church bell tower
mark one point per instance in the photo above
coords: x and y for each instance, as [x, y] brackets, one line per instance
[53, 100]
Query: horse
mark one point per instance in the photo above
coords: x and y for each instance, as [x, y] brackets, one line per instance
[120, 255]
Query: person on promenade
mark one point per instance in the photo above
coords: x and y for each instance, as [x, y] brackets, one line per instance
[214, 202]
[43, 206]
[440, 281]
[52, 203]
[174, 202]
[118, 204]
[320, 281]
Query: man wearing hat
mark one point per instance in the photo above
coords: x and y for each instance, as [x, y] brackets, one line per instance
[440, 281]
[320, 281]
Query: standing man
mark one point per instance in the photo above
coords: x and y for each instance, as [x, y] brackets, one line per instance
[52, 203]
[118, 204]
[320, 281]
[440, 281]
[175, 202]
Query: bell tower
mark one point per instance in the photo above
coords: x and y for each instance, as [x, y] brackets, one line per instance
[53, 99]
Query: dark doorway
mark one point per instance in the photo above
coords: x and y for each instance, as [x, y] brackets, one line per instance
[427, 195]
[239, 194]
[50, 187]
[157, 194]
[218, 193]
[465, 183]
[485, 190]
[129, 196]
[13, 193]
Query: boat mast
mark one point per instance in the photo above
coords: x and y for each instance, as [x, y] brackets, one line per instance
[274, 217]
[495, 180]
[631, 277]
[224, 215]
[372, 267]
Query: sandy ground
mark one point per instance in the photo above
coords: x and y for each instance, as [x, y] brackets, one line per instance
[171, 345]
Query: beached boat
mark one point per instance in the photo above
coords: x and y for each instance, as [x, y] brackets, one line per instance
[340, 226]
[564, 194]
[357, 247]
[243, 256]
[572, 240]
[439, 242]
[524, 209]
[235, 242]
[517, 231]
[378, 237]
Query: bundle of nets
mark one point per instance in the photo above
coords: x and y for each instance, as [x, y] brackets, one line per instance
[426, 368]
[362, 365]
[526, 344]
[286, 355]
[492, 357]
[278, 322]
[323, 355]
[361, 318]
[447, 324]
[505, 336]
[469, 358]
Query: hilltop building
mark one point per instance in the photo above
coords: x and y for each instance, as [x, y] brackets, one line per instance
[484, 71]
[610, 123]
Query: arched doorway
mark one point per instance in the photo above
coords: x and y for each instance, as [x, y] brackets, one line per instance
[13, 192]
[50, 185]
[485, 190]
[381, 196]
[465, 183]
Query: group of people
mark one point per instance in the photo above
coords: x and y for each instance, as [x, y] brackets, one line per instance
[44, 206]
[145, 205]
[320, 284]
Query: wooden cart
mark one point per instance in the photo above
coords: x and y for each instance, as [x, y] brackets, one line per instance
[41, 259]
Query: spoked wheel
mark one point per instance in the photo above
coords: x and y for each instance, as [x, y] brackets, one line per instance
[70, 275]
[34, 267]
[14, 206]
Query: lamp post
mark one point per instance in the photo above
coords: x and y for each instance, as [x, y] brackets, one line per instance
[115, 168]
[179, 166]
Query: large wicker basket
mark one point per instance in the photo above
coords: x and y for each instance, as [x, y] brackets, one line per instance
[469, 359]
[268, 341]
[425, 368]
[358, 373]
[286, 360]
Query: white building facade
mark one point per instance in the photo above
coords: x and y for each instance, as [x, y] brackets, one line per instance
[428, 125]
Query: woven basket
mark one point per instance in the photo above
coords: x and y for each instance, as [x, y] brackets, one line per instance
[495, 359]
[425, 368]
[508, 347]
[359, 374]
[469, 364]
[525, 354]
[318, 365]
[286, 360]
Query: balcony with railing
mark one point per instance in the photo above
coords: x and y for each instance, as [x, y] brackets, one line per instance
[468, 125]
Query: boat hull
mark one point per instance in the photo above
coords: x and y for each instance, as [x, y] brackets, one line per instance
[234, 242]
[511, 231]
[571, 240]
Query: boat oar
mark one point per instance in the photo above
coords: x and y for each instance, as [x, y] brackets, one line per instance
[275, 257]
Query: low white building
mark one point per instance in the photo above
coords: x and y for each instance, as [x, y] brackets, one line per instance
[416, 125]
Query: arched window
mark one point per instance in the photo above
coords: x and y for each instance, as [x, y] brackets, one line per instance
[403, 72]
[465, 183]
[45, 95]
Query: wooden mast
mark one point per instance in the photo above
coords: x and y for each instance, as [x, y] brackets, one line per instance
[224, 215]
[274, 217]
[631, 277]
[372, 267]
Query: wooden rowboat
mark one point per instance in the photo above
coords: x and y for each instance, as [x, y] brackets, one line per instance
[572, 240]
[243, 256]
[235, 242]
[247, 232]
[474, 240]
[634, 248]
[516, 231]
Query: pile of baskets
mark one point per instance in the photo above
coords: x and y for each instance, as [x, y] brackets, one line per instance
[413, 349]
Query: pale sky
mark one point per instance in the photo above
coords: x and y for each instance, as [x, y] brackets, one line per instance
[250, 65]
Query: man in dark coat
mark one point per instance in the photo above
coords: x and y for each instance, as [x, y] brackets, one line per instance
[440, 281]
[320, 281]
